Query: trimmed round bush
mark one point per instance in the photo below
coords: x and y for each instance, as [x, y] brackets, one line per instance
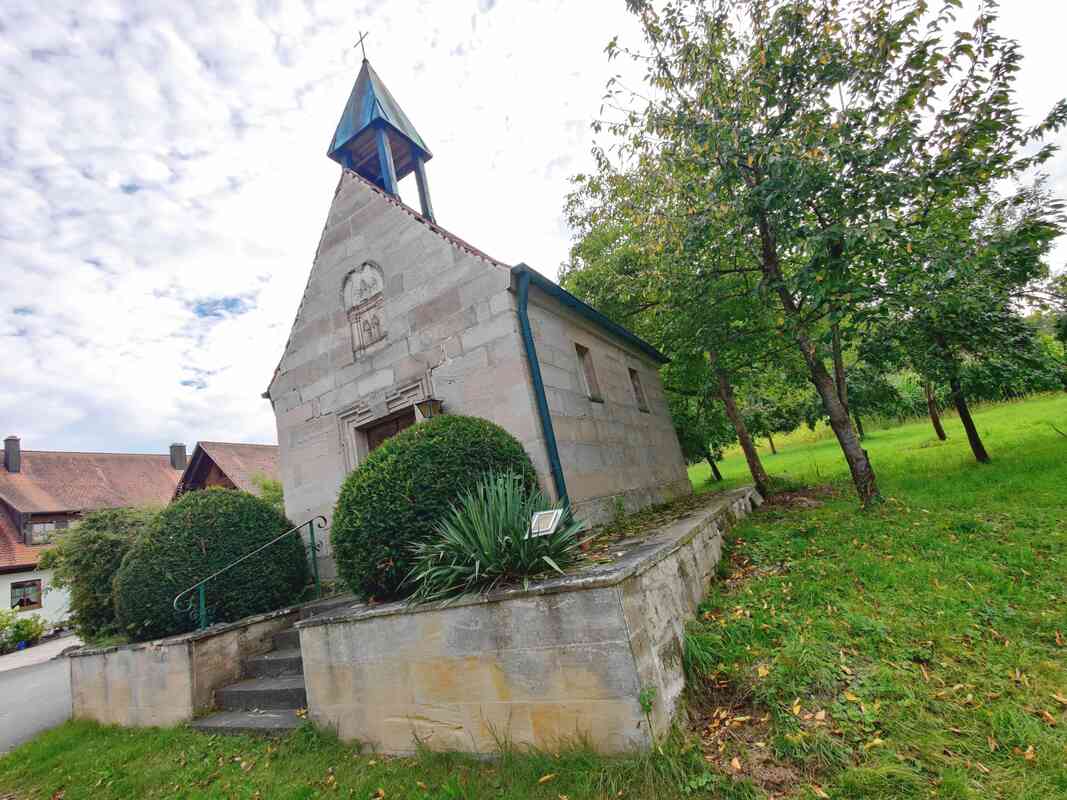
[396, 498]
[195, 536]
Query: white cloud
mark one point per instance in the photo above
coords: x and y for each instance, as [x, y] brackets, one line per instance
[157, 160]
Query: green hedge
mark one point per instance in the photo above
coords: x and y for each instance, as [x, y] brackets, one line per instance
[85, 561]
[193, 537]
[405, 487]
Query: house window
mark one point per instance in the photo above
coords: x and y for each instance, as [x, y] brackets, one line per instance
[639, 390]
[592, 385]
[41, 532]
[26, 595]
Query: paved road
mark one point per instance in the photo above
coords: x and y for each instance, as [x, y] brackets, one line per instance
[37, 654]
[33, 699]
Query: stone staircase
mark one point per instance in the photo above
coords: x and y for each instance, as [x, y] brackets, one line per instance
[271, 697]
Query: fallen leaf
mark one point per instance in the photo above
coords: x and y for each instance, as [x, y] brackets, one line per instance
[820, 715]
[421, 785]
[380, 793]
[851, 697]
[982, 767]
[546, 778]
[763, 671]
[1059, 698]
[796, 707]
[1059, 639]
[992, 744]
[1051, 720]
[735, 762]
[817, 790]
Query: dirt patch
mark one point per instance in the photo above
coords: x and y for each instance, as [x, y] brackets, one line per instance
[807, 497]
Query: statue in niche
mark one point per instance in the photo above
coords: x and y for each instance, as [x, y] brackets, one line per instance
[362, 292]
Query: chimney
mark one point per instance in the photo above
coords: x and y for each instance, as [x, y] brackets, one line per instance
[177, 456]
[12, 454]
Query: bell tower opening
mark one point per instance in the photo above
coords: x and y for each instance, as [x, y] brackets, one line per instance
[376, 140]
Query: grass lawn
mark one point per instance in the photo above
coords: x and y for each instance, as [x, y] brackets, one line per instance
[915, 651]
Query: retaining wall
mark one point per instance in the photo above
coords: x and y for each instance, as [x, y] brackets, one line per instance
[167, 681]
[564, 659]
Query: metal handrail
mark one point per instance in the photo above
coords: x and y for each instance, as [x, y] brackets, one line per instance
[201, 611]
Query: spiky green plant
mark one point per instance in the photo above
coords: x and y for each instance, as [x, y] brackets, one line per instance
[484, 542]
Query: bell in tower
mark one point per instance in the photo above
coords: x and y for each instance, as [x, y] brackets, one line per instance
[376, 140]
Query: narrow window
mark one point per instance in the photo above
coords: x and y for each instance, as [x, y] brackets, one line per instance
[639, 391]
[25, 595]
[592, 386]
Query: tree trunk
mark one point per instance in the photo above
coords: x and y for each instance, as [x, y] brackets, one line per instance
[839, 374]
[859, 465]
[774, 450]
[726, 392]
[931, 406]
[714, 469]
[859, 425]
[968, 424]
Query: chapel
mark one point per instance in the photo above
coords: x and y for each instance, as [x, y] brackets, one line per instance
[402, 320]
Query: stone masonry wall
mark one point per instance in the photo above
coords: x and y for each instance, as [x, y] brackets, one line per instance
[167, 681]
[611, 451]
[566, 659]
[451, 331]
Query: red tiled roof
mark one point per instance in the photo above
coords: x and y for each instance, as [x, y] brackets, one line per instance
[87, 481]
[14, 556]
[242, 462]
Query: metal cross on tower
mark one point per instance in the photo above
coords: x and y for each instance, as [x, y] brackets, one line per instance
[359, 44]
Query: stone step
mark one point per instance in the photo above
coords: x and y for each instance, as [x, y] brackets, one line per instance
[263, 693]
[289, 639]
[277, 722]
[275, 664]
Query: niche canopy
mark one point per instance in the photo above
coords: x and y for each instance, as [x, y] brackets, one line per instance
[376, 140]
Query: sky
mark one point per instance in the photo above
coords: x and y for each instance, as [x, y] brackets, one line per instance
[164, 183]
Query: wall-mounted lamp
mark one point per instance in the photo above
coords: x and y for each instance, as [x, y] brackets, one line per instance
[428, 408]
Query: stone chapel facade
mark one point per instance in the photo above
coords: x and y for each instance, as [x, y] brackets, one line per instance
[400, 317]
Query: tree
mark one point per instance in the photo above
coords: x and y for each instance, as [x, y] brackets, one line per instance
[270, 489]
[826, 128]
[85, 561]
[953, 290]
[703, 429]
[645, 262]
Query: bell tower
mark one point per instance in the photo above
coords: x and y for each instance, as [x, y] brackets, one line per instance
[376, 140]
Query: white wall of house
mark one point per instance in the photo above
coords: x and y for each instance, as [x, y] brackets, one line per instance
[55, 603]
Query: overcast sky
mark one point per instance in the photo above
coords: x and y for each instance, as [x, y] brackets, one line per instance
[163, 181]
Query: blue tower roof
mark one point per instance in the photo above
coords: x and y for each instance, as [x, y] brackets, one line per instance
[370, 106]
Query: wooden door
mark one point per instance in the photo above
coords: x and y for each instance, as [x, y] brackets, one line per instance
[379, 432]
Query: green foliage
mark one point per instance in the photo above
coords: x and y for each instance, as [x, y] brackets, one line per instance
[405, 488]
[270, 490]
[85, 560]
[483, 542]
[18, 628]
[198, 534]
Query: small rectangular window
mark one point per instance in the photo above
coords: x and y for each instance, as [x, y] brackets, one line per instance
[41, 532]
[592, 385]
[26, 595]
[639, 391]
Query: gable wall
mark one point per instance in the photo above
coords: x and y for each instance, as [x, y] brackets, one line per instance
[452, 332]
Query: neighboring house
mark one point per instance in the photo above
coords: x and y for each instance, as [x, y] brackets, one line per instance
[45, 492]
[402, 319]
[229, 465]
